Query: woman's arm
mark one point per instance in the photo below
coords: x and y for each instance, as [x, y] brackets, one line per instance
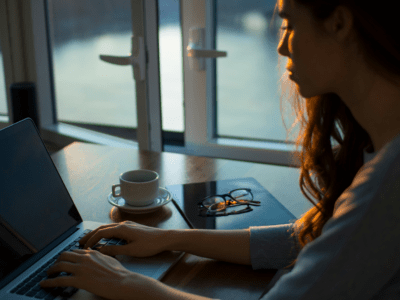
[225, 245]
[143, 241]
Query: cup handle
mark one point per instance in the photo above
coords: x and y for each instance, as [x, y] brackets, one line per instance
[113, 190]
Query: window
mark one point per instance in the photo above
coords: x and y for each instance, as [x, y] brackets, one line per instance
[76, 88]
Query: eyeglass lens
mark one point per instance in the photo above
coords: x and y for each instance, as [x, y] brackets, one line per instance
[241, 195]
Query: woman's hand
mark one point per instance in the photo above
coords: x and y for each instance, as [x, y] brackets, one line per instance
[142, 241]
[97, 273]
[104, 276]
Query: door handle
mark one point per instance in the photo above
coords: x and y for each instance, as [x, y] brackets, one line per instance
[195, 51]
[205, 53]
[138, 61]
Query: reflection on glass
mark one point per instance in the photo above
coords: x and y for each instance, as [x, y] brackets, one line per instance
[248, 90]
[87, 89]
[170, 45]
[3, 93]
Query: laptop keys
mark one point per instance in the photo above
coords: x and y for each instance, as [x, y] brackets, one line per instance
[108, 242]
[30, 286]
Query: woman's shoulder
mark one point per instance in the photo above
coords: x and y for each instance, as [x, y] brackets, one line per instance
[380, 173]
[384, 158]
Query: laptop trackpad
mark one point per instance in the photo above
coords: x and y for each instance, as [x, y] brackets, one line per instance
[154, 266]
[84, 295]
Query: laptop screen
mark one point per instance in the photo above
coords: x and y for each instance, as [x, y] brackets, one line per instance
[35, 206]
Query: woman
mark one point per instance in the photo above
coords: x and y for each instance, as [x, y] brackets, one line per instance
[344, 57]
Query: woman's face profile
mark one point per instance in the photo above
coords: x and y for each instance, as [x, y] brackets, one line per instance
[313, 60]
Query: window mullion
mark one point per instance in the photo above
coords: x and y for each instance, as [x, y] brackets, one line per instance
[153, 75]
[6, 51]
[194, 15]
[210, 71]
[144, 23]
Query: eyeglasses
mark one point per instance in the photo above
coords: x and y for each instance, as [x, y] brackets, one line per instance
[217, 205]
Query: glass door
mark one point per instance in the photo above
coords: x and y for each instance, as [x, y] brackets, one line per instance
[104, 57]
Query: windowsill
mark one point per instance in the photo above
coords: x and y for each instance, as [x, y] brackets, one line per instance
[266, 145]
[226, 148]
[4, 119]
[4, 122]
[243, 150]
[64, 134]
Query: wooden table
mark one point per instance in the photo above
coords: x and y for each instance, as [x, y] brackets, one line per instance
[89, 171]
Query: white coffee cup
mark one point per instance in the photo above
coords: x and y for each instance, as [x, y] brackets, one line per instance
[138, 187]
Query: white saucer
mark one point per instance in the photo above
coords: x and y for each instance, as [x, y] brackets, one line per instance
[163, 198]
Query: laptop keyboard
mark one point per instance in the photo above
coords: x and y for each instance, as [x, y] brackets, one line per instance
[30, 286]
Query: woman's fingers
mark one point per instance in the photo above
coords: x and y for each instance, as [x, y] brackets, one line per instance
[58, 281]
[67, 262]
[149, 239]
[115, 250]
[118, 230]
[97, 273]
[83, 240]
[62, 266]
[71, 256]
[103, 233]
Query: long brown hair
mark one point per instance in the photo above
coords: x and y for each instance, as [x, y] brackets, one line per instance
[331, 140]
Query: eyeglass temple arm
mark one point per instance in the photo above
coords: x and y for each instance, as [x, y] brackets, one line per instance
[248, 201]
[236, 212]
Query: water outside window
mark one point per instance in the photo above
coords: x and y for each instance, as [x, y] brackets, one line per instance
[248, 94]
[3, 93]
[91, 91]
[170, 44]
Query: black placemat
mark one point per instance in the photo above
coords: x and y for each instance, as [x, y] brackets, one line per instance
[271, 212]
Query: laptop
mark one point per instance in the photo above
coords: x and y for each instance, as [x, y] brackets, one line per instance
[38, 221]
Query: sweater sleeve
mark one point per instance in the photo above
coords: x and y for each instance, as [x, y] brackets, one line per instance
[272, 247]
[357, 254]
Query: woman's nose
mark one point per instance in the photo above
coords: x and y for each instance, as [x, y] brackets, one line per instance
[282, 47]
